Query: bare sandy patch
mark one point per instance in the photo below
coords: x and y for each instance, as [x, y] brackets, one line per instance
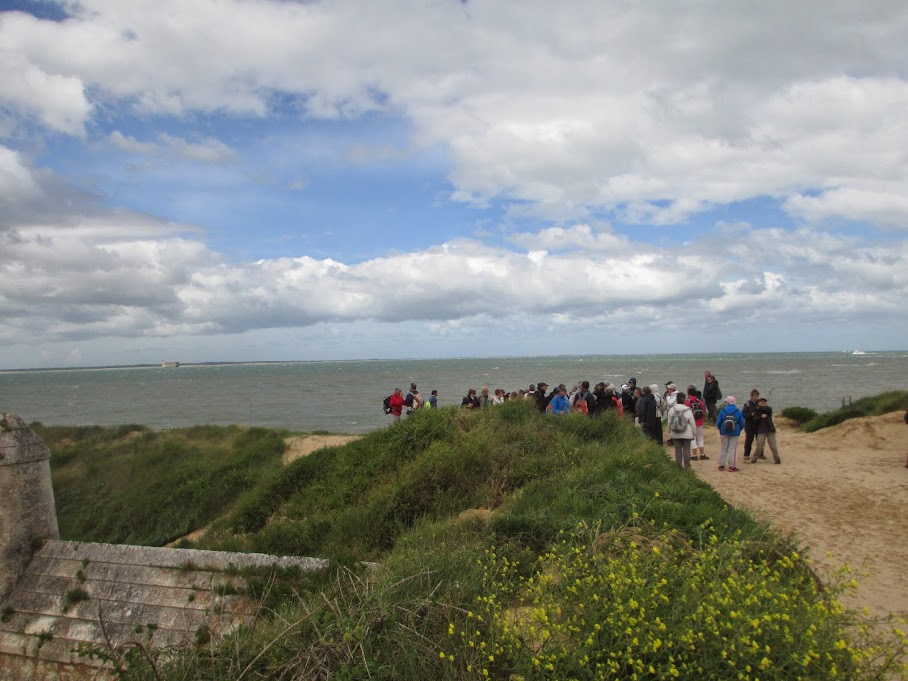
[303, 446]
[842, 492]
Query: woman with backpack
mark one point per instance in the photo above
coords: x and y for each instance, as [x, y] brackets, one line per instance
[698, 408]
[730, 423]
[682, 430]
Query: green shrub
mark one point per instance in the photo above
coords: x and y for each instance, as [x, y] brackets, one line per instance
[884, 403]
[800, 414]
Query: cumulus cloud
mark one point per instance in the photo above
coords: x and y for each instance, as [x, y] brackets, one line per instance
[585, 124]
[91, 281]
[16, 180]
[644, 110]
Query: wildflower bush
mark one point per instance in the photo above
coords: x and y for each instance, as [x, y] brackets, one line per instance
[646, 603]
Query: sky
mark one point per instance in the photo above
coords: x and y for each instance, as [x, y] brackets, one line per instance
[243, 180]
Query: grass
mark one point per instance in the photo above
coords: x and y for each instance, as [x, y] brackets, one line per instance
[515, 545]
[876, 405]
[132, 485]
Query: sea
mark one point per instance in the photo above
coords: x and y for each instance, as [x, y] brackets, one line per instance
[346, 396]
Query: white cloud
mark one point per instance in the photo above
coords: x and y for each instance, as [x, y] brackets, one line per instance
[648, 110]
[578, 121]
[93, 281]
[16, 180]
[131, 144]
[208, 150]
[58, 100]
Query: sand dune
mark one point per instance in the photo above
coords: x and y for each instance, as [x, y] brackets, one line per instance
[843, 493]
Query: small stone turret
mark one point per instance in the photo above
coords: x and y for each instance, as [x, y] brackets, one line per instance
[27, 510]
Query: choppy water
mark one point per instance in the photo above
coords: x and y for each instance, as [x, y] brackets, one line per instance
[346, 396]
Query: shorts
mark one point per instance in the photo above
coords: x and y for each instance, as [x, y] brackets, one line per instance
[698, 438]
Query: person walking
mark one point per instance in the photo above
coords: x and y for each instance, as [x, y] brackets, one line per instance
[766, 431]
[730, 422]
[432, 403]
[682, 429]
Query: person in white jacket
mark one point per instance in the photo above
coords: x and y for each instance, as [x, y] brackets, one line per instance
[682, 429]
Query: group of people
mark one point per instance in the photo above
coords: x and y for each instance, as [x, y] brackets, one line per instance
[396, 402]
[683, 413]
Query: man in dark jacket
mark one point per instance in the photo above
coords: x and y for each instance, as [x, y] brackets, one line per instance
[750, 424]
[542, 401]
[585, 395]
[649, 416]
[711, 394]
[766, 431]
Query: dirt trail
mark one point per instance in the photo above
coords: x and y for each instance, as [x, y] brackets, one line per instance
[303, 446]
[842, 491]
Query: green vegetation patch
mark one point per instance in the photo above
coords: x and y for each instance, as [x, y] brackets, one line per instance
[132, 485]
[876, 405]
[516, 545]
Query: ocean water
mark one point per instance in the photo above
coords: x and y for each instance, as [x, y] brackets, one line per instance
[345, 397]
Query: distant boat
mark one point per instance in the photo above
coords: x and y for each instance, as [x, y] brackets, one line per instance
[170, 364]
[858, 352]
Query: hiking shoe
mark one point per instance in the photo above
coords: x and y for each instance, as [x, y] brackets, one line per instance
[706, 458]
[732, 470]
[777, 462]
[721, 468]
[694, 458]
[753, 461]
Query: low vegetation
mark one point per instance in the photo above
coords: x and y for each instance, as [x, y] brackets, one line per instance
[518, 546]
[801, 415]
[876, 405]
[133, 485]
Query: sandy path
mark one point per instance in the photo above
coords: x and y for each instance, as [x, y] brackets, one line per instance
[842, 491]
[302, 446]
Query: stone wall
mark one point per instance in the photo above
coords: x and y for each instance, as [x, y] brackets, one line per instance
[60, 601]
[27, 511]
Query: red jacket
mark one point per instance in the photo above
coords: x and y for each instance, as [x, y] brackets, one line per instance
[397, 403]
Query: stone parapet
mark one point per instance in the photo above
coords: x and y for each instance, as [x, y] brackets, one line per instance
[27, 510]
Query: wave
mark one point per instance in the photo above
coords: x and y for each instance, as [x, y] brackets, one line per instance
[784, 371]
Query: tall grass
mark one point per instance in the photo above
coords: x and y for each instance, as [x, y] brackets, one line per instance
[132, 485]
